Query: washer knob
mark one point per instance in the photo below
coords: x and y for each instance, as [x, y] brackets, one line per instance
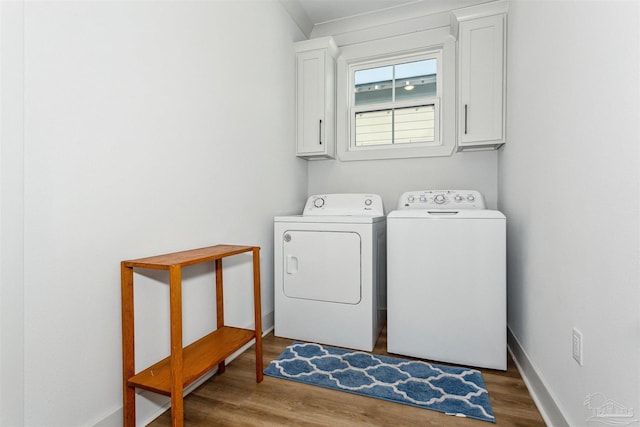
[439, 199]
[410, 199]
[368, 202]
[458, 198]
[318, 203]
[423, 199]
[470, 198]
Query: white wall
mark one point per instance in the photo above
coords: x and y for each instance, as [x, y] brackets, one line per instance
[144, 132]
[390, 178]
[11, 215]
[569, 185]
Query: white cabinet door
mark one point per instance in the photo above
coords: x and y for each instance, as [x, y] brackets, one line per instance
[310, 103]
[315, 98]
[481, 96]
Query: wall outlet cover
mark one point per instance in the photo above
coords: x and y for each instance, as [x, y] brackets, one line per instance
[576, 345]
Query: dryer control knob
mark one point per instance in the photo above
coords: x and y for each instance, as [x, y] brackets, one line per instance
[439, 199]
[318, 203]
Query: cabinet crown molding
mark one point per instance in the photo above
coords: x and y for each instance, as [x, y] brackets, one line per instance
[320, 43]
[473, 12]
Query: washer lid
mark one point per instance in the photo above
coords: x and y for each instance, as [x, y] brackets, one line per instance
[441, 214]
[319, 219]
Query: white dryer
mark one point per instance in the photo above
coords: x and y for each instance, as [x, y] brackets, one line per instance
[447, 279]
[330, 271]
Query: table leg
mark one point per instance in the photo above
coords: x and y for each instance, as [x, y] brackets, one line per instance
[220, 306]
[175, 306]
[257, 312]
[128, 348]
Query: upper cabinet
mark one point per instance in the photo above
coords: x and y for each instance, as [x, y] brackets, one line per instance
[315, 98]
[481, 77]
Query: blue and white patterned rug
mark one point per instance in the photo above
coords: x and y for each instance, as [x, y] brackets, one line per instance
[452, 390]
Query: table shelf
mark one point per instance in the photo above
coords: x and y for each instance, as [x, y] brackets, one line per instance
[199, 358]
[184, 365]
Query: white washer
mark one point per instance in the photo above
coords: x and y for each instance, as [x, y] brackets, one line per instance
[330, 271]
[447, 279]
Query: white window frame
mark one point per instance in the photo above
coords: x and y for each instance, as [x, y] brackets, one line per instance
[391, 105]
[376, 53]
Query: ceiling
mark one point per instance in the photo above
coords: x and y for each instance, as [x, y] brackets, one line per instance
[320, 11]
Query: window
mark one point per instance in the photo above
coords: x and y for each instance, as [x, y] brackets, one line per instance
[395, 103]
[396, 97]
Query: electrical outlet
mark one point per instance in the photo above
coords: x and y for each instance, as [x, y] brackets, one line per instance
[576, 345]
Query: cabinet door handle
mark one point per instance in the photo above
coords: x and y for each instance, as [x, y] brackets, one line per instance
[465, 119]
[320, 132]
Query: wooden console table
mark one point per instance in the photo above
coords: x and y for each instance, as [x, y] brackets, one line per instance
[185, 365]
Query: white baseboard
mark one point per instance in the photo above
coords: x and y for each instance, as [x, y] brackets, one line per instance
[112, 420]
[541, 395]
[152, 410]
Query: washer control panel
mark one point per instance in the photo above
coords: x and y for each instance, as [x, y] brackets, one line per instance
[344, 204]
[442, 199]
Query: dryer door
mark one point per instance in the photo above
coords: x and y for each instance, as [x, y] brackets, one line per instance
[322, 265]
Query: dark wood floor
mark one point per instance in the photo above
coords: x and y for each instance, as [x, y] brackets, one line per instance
[235, 399]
